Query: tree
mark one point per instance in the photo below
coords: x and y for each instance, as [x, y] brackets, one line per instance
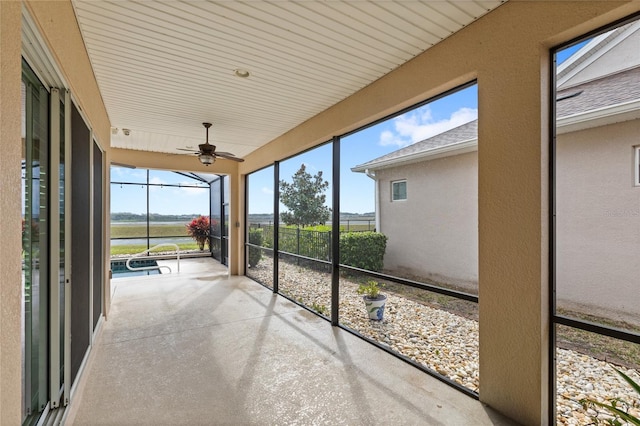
[304, 197]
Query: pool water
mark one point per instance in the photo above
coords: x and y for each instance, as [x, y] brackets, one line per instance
[119, 268]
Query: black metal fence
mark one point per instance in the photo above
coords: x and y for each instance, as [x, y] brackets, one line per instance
[303, 242]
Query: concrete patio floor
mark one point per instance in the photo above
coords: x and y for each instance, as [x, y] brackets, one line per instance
[203, 348]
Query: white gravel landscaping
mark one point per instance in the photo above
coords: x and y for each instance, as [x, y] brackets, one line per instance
[447, 343]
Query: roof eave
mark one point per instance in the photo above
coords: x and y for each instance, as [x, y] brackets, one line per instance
[439, 152]
[599, 117]
[585, 120]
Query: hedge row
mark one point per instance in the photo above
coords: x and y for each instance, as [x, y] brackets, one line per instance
[363, 250]
[255, 254]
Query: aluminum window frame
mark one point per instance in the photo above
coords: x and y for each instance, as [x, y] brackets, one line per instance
[393, 192]
[636, 166]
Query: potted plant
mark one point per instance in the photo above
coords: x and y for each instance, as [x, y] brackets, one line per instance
[200, 229]
[374, 301]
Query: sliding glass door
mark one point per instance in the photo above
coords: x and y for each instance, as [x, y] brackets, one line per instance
[44, 254]
[35, 253]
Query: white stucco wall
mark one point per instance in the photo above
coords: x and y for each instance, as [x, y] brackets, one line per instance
[598, 222]
[434, 232]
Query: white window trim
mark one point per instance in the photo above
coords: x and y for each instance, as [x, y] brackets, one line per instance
[636, 166]
[393, 200]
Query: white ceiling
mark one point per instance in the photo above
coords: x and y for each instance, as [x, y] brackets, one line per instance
[165, 67]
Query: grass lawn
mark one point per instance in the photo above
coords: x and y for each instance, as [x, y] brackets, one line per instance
[155, 230]
[137, 248]
[601, 347]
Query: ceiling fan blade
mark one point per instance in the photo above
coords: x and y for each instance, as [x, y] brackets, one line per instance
[188, 150]
[228, 156]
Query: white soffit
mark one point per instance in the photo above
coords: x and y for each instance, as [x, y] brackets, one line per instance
[163, 68]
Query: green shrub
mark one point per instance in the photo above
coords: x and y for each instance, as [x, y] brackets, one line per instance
[267, 236]
[363, 250]
[255, 253]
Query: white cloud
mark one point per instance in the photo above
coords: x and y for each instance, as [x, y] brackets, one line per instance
[123, 173]
[190, 190]
[156, 181]
[389, 138]
[266, 190]
[416, 126]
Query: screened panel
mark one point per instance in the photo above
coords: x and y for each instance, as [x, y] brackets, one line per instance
[216, 218]
[81, 244]
[596, 227]
[158, 211]
[304, 232]
[260, 221]
[597, 201]
[427, 159]
[411, 183]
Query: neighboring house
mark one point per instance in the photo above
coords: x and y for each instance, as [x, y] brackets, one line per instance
[433, 185]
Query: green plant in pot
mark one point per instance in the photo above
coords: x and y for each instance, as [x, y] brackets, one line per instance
[374, 301]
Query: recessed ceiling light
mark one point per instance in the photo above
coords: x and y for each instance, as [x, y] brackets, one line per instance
[241, 73]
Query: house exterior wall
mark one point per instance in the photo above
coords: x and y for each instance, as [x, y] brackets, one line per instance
[434, 232]
[598, 222]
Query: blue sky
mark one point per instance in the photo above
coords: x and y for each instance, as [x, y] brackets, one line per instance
[162, 200]
[563, 54]
[357, 190]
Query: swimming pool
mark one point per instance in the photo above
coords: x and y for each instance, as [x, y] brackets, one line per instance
[119, 268]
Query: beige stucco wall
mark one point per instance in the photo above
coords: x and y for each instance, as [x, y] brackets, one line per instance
[598, 221]
[10, 214]
[507, 51]
[434, 232]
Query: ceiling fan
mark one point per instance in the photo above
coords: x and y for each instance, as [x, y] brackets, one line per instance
[207, 153]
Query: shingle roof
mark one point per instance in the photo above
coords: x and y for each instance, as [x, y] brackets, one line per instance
[604, 92]
[607, 91]
[453, 136]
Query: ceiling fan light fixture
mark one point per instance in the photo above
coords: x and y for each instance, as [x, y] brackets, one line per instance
[206, 159]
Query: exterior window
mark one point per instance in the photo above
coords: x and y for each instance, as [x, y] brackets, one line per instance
[637, 166]
[399, 190]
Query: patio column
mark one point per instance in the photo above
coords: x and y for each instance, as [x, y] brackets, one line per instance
[513, 217]
[10, 212]
[236, 224]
